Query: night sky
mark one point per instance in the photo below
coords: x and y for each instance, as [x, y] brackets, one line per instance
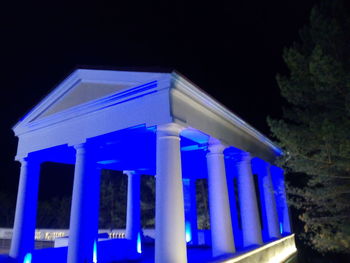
[231, 49]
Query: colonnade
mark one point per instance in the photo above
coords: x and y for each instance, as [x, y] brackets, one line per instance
[170, 241]
[170, 227]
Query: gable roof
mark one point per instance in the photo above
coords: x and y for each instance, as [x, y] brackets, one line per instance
[85, 85]
[93, 89]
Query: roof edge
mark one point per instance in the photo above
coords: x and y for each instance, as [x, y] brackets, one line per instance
[193, 90]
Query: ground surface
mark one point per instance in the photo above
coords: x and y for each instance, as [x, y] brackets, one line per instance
[195, 255]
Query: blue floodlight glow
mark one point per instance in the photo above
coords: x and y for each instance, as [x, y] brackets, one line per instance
[188, 232]
[28, 258]
[94, 255]
[108, 161]
[281, 228]
[190, 148]
[139, 244]
[152, 128]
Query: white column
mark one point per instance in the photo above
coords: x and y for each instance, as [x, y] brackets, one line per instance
[251, 227]
[133, 219]
[236, 229]
[26, 207]
[270, 203]
[84, 211]
[219, 205]
[170, 244]
[281, 198]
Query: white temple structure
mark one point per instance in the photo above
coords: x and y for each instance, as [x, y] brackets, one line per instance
[157, 124]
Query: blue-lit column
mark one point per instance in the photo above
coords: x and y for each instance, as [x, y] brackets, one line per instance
[26, 207]
[84, 211]
[233, 198]
[190, 210]
[281, 200]
[133, 219]
[269, 210]
[170, 243]
[219, 205]
[251, 228]
[94, 206]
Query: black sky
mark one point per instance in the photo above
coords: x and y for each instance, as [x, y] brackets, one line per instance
[231, 49]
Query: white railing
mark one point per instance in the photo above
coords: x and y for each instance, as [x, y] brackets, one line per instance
[274, 252]
[43, 234]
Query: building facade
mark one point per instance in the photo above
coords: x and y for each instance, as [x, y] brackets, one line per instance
[162, 125]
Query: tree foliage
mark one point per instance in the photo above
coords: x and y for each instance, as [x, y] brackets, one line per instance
[113, 198]
[7, 211]
[148, 200]
[54, 213]
[202, 204]
[315, 129]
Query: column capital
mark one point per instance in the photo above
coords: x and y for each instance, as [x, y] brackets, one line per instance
[215, 146]
[80, 146]
[260, 167]
[130, 172]
[86, 149]
[243, 157]
[169, 129]
[23, 160]
[259, 161]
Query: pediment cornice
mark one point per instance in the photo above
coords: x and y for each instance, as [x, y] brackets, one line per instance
[141, 85]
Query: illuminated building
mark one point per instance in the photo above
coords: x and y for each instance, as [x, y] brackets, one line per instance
[158, 124]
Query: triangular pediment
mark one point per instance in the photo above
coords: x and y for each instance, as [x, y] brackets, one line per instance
[81, 93]
[85, 86]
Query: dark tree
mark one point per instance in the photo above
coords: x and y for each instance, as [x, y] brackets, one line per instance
[7, 211]
[203, 220]
[54, 213]
[113, 199]
[148, 195]
[315, 130]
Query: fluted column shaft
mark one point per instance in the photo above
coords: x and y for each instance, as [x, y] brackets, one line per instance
[234, 207]
[83, 228]
[269, 202]
[281, 200]
[26, 209]
[251, 227]
[170, 243]
[133, 219]
[219, 205]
